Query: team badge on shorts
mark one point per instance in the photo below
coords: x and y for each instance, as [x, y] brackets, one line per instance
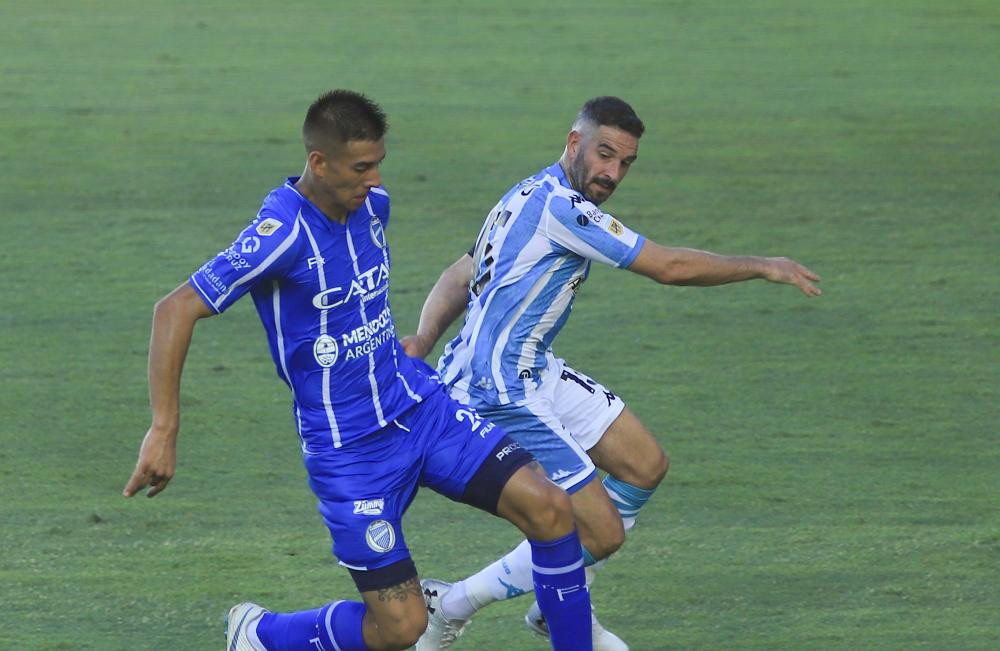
[380, 536]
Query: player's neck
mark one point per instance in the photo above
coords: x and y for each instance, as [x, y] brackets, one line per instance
[329, 209]
[567, 171]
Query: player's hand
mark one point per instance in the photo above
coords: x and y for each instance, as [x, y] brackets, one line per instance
[157, 461]
[790, 272]
[417, 346]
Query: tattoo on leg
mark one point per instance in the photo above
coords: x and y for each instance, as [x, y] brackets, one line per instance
[402, 591]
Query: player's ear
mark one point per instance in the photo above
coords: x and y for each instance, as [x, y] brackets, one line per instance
[573, 139]
[317, 162]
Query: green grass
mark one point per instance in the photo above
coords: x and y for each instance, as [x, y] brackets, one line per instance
[835, 471]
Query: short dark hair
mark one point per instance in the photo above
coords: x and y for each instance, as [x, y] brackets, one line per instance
[340, 116]
[610, 111]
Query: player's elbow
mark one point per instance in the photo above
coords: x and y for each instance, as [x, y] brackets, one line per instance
[674, 272]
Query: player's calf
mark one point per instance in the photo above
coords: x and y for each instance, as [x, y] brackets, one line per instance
[396, 616]
[597, 520]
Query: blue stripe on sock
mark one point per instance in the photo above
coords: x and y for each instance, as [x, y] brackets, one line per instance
[628, 499]
[339, 626]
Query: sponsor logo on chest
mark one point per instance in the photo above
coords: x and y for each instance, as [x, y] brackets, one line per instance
[367, 285]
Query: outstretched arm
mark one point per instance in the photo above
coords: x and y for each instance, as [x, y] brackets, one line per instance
[682, 266]
[445, 303]
[173, 322]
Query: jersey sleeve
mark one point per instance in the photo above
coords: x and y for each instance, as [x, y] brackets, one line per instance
[264, 250]
[576, 224]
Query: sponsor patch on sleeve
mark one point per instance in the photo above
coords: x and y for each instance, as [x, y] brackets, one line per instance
[268, 226]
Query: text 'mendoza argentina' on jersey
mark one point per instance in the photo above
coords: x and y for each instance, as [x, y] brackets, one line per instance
[531, 255]
[321, 290]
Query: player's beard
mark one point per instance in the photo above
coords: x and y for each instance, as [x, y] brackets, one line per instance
[581, 180]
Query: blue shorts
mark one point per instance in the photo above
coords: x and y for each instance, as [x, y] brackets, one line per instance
[365, 486]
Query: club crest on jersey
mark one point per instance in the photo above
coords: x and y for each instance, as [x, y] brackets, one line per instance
[325, 351]
[369, 507]
[615, 227]
[380, 536]
[268, 226]
[378, 233]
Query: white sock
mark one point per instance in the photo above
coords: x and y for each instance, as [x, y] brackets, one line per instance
[504, 578]
[591, 571]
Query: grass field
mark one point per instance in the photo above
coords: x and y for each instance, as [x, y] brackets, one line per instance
[835, 468]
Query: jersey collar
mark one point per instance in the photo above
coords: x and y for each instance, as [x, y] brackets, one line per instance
[556, 170]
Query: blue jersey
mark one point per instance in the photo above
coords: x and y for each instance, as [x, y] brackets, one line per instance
[532, 254]
[321, 290]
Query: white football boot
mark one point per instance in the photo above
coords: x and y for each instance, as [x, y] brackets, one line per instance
[441, 633]
[239, 620]
[604, 640]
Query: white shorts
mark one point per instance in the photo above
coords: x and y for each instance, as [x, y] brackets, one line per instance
[564, 418]
[584, 405]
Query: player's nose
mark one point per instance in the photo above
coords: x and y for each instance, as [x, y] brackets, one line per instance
[616, 171]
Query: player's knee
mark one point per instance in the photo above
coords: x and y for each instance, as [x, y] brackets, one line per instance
[658, 468]
[648, 470]
[536, 506]
[551, 515]
[605, 541]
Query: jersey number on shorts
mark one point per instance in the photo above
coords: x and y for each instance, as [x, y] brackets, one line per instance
[474, 419]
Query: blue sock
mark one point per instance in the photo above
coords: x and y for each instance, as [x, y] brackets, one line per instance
[561, 591]
[338, 626]
[287, 631]
[628, 499]
[301, 630]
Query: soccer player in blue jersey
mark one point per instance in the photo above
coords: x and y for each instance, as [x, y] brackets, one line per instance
[373, 423]
[517, 286]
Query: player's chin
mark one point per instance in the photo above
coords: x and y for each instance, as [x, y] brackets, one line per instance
[599, 194]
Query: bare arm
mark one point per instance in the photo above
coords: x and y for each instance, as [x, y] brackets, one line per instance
[173, 322]
[682, 266]
[445, 303]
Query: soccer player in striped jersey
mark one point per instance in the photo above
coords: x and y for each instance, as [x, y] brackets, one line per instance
[373, 423]
[517, 286]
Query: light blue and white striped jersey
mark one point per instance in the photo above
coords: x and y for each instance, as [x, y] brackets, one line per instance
[531, 255]
[321, 291]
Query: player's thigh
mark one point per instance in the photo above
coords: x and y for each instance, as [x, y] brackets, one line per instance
[472, 460]
[396, 615]
[584, 406]
[467, 457]
[629, 451]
